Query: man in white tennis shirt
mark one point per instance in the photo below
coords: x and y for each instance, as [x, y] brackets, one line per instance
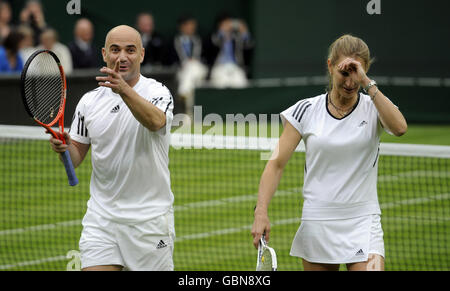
[129, 222]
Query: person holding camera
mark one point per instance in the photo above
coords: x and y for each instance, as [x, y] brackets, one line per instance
[32, 15]
[228, 53]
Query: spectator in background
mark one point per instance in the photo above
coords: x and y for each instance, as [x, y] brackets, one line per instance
[10, 60]
[228, 52]
[49, 41]
[84, 54]
[5, 20]
[153, 42]
[26, 46]
[33, 15]
[186, 52]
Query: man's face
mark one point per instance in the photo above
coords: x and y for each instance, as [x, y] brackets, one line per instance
[145, 24]
[84, 30]
[48, 40]
[189, 27]
[124, 46]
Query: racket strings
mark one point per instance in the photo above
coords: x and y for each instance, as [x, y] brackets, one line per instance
[44, 88]
[266, 260]
[45, 96]
[45, 92]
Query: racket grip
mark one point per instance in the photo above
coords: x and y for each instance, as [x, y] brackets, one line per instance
[73, 180]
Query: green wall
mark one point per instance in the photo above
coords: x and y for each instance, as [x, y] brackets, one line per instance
[409, 38]
[274, 100]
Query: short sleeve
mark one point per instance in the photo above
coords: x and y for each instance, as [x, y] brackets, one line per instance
[163, 100]
[296, 115]
[78, 130]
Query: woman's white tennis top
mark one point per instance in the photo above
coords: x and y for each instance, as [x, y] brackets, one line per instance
[340, 179]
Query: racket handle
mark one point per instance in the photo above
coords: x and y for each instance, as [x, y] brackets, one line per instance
[73, 180]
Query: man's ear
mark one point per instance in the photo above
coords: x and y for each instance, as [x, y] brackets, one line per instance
[142, 55]
[104, 54]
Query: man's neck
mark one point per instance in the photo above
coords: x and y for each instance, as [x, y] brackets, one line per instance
[134, 81]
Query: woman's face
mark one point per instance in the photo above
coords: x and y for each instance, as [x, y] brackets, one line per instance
[5, 13]
[344, 85]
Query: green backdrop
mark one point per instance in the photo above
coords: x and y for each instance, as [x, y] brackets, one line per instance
[409, 37]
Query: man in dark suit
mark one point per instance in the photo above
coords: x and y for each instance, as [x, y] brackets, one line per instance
[153, 42]
[84, 54]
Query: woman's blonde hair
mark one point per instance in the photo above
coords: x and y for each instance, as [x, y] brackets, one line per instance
[349, 46]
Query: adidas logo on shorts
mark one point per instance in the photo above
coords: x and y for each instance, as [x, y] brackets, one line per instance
[360, 253]
[161, 245]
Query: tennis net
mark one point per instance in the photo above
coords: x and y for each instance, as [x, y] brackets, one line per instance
[215, 184]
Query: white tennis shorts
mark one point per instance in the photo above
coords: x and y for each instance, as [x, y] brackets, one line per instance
[144, 246]
[339, 241]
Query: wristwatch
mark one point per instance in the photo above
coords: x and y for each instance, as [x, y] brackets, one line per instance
[371, 84]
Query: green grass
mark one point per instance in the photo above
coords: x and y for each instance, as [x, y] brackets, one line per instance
[422, 134]
[215, 192]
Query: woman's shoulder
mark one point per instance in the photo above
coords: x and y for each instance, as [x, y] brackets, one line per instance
[313, 101]
[303, 108]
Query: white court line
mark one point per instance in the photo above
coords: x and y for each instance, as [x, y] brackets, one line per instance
[414, 201]
[178, 208]
[40, 227]
[32, 263]
[232, 230]
[384, 206]
[235, 199]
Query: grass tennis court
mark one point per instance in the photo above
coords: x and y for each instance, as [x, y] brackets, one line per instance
[215, 192]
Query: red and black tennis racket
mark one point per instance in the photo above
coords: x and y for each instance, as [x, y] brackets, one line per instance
[44, 96]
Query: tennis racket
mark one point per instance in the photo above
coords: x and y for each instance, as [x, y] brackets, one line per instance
[267, 258]
[43, 86]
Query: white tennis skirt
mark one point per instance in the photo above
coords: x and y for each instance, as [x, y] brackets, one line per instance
[339, 241]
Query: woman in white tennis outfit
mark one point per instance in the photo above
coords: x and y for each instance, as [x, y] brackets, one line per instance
[341, 130]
